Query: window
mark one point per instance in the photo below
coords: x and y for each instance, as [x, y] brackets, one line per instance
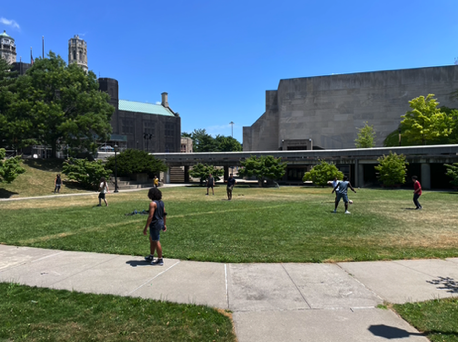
[169, 130]
[149, 127]
[128, 126]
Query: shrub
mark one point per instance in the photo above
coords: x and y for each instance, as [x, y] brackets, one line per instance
[133, 161]
[9, 168]
[452, 172]
[264, 167]
[392, 169]
[202, 171]
[322, 173]
[87, 173]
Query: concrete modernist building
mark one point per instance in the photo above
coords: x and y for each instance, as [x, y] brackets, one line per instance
[7, 48]
[326, 111]
[77, 52]
[143, 126]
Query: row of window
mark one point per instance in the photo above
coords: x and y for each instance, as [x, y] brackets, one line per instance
[128, 127]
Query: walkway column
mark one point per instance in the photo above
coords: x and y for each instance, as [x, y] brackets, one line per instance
[226, 172]
[167, 176]
[186, 174]
[425, 176]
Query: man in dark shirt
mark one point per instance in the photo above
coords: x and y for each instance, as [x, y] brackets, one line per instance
[210, 183]
[230, 185]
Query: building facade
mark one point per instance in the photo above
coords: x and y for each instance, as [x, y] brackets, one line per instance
[326, 111]
[77, 52]
[143, 126]
[7, 48]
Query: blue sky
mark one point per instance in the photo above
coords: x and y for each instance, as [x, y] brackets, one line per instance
[217, 58]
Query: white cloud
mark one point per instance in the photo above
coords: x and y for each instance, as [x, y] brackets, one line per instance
[8, 22]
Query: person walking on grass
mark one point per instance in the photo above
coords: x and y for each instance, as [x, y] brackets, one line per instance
[416, 192]
[156, 181]
[210, 183]
[57, 184]
[156, 222]
[341, 189]
[103, 188]
[230, 186]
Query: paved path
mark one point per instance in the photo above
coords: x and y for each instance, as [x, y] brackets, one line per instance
[270, 302]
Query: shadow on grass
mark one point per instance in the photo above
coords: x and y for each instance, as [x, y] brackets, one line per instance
[6, 193]
[445, 283]
[52, 165]
[388, 332]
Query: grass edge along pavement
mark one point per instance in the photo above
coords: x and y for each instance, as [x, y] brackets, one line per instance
[32, 313]
[258, 225]
[437, 319]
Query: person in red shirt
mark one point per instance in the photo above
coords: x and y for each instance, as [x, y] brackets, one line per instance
[416, 192]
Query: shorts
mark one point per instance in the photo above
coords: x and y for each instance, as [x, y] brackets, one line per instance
[210, 186]
[155, 231]
[343, 196]
[229, 188]
[102, 195]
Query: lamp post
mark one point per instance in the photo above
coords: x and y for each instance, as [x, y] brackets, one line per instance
[232, 128]
[116, 169]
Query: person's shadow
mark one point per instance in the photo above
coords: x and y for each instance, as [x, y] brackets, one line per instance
[388, 332]
[135, 263]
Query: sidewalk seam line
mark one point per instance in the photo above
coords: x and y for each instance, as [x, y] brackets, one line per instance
[300, 292]
[157, 275]
[364, 285]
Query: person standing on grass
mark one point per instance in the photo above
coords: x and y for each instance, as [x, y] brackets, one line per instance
[230, 186]
[57, 184]
[210, 183]
[156, 222]
[156, 181]
[416, 192]
[341, 189]
[103, 188]
[335, 182]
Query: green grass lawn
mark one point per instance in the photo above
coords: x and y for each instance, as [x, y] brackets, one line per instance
[37, 314]
[437, 319]
[290, 224]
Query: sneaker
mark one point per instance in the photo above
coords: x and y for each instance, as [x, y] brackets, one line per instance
[419, 208]
[206, 194]
[99, 205]
[158, 262]
[149, 258]
[334, 211]
[347, 212]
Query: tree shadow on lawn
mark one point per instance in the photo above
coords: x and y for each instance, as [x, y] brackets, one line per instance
[445, 283]
[6, 193]
[51, 165]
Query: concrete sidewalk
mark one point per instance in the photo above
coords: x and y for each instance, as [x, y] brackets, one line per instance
[270, 302]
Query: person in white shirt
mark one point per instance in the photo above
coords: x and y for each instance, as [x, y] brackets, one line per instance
[103, 188]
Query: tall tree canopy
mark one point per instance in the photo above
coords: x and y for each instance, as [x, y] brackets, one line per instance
[204, 142]
[366, 137]
[426, 123]
[263, 167]
[59, 104]
[7, 79]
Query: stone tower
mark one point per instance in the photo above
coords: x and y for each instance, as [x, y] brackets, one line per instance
[77, 52]
[7, 48]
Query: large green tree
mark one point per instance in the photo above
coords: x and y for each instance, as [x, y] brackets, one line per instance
[57, 104]
[263, 167]
[204, 142]
[7, 79]
[425, 123]
[392, 169]
[227, 144]
[202, 171]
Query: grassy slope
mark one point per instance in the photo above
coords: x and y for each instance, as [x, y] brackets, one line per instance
[38, 180]
[259, 225]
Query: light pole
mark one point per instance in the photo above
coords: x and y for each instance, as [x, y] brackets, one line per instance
[232, 128]
[116, 169]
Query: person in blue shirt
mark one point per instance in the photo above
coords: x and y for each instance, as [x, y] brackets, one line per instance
[341, 189]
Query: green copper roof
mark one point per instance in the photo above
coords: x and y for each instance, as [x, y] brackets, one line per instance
[145, 108]
[5, 35]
